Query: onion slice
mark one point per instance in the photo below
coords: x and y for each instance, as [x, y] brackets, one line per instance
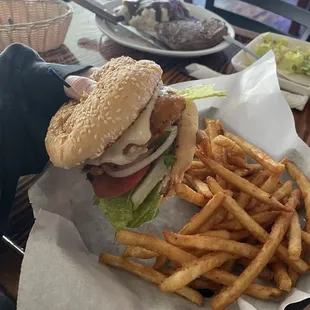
[125, 172]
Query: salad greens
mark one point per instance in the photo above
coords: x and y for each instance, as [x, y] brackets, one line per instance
[291, 60]
[199, 92]
[119, 210]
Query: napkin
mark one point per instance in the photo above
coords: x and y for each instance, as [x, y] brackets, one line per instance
[202, 72]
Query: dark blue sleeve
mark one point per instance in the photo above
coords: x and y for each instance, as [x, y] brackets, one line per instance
[29, 97]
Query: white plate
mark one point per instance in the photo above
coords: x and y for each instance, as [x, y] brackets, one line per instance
[121, 36]
[297, 83]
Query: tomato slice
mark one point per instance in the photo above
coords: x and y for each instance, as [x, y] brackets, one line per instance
[106, 186]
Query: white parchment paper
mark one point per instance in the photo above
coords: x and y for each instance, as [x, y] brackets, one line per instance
[60, 269]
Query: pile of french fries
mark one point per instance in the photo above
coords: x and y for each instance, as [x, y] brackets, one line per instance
[247, 228]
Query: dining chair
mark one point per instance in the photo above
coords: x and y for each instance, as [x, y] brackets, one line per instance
[284, 9]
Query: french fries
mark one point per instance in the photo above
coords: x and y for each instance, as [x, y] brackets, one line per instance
[256, 154]
[255, 290]
[200, 186]
[260, 218]
[294, 245]
[190, 195]
[201, 217]
[248, 217]
[304, 186]
[194, 269]
[230, 294]
[149, 274]
[211, 244]
[281, 277]
[257, 231]
[228, 144]
[136, 251]
[243, 184]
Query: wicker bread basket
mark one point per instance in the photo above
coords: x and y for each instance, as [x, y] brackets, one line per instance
[42, 25]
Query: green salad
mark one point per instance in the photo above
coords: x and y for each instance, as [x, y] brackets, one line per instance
[291, 60]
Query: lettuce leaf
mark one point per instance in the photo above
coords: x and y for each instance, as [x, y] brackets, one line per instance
[200, 92]
[149, 208]
[120, 213]
[169, 159]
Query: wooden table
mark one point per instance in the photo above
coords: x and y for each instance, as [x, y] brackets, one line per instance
[86, 44]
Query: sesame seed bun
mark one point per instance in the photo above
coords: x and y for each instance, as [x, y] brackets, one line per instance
[84, 129]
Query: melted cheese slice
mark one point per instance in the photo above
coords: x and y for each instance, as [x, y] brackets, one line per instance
[138, 134]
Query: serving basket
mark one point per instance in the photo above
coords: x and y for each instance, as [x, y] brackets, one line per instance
[42, 25]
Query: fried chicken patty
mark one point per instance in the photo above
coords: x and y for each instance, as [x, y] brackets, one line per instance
[167, 111]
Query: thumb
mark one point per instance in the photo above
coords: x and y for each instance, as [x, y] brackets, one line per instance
[80, 84]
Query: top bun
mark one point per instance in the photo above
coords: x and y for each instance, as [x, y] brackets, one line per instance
[83, 129]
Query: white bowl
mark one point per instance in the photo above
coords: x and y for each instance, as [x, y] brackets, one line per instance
[297, 82]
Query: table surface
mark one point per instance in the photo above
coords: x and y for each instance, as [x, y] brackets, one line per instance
[87, 45]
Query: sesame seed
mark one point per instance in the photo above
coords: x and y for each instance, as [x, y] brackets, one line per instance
[95, 137]
[80, 151]
[89, 131]
[109, 118]
[98, 150]
[139, 98]
[92, 125]
[105, 108]
[118, 110]
[127, 118]
[118, 119]
[78, 139]
[107, 114]
[108, 103]
[117, 97]
[106, 122]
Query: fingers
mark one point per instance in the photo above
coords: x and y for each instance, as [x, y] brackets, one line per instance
[80, 84]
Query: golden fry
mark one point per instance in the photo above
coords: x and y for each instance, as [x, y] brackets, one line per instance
[218, 153]
[200, 186]
[230, 294]
[293, 276]
[260, 218]
[249, 170]
[255, 290]
[257, 154]
[228, 144]
[304, 186]
[136, 251]
[149, 274]
[266, 274]
[281, 277]
[279, 194]
[217, 217]
[205, 213]
[197, 284]
[155, 244]
[200, 174]
[204, 143]
[239, 235]
[243, 184]
[223, 234]
[305, 237]
[190, 195]
[207, 243]
[237, 161]
[294, 244]
[193, 270]
[258, 232]
[197, 165]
